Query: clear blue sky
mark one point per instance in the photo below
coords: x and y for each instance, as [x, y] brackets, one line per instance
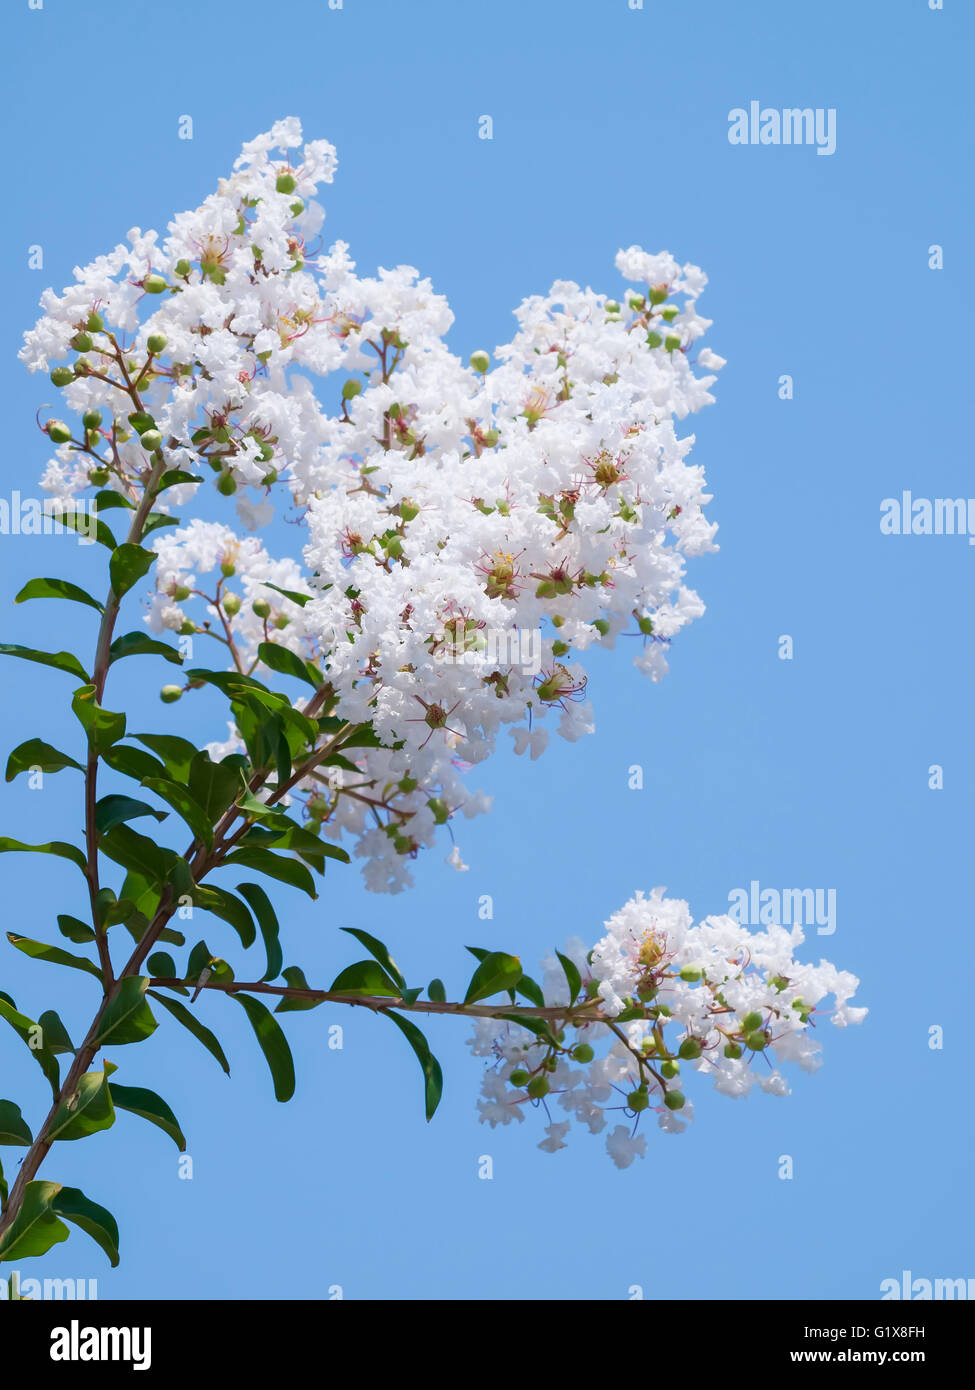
[610, 127]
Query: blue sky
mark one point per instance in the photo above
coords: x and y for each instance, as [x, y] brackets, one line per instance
[610, 127]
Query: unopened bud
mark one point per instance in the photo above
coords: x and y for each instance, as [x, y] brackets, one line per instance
[690, 1049]
[81, 342]
[518, 1077]
[670, 1069]
[62, 376]
[156, 343]
[351, 389]
[612, 306]
[154, 284]
[170, 694]
[285, 183]
[226, 484]
[231, 605]
[538, 1087]
[95, 324]
[91, 419]
[98, 477]
[582, 1053]
[674, 1100]
[261, 607]
[671, 342]
[480, 361]
[58, 431]
[638, 1100]
[151, 441]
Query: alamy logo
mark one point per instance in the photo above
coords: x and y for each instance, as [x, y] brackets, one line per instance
[16, 1288]
[793, 125]
[920, 1290]
[755, 906]
[470, 643]
[34, 516]
[908, 515]
[77, 1343]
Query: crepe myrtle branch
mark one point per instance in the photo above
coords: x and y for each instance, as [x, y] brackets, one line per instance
[576, 1014]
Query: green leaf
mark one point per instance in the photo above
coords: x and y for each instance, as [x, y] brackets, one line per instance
[176, 753]
[213, 785]
[285, 662]
[174, 477]
[230, 909]
[531, 990]
[161, 963]
[572, 976]
[260, 905]
[381, 953]
[106, 500]
[56, 1036]
[539, 1026]
[54, 955]
[292, 594]
[288, 834]
[295, 977]
[61, 661]
[273, 1044]
[127, 566]
[138, 853]
[189, 1021]
[36, 753]
[82, 524]
[102, 726]
[157, 519]
[57, 588]
[285, 869]
[132, 762]
[365, 977]
[14, 1130]
[74, 930]
[432, 1074]
[496, 972]
[185, 806]
[128, 1018]
[32, 1034]
[56, 847]
[88, 1110]
[436, 992]
[139, 644]
[88, 1216]
[115, 810]
[4, 1190]
[35, 1228]
[152, 1108]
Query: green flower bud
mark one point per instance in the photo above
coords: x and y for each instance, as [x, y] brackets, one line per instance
[154, 284]
[480, 361]
[297, 208]
[654, 340]
[645, 993]
[62, 376]
[231, 605]
[670, 1069]
[551, 1064]
[95, 324]
[601, 625]
[183, 269]
[670, 313]
[226, 484]
[636, 302]
[228, 569]
[732, 1050]
[351, 389]
[408, 509]
[156, 343]
[519, 1077]
[489, 438]
[658, 294]
[645, 625]
[285, 183]
[187, 627]
[538, 1087]
[751, 1022]
[690, 1049]
[671, 342]
[98, 477]
[181, 592]
[756, 1042]
[582, 1052]
[407, 784]
[638, 1100]
[265, 452]
[281, 622]
[271, 476]
[691, 973]
[261, 607]
[170, 694]
[611, 306]
[438, 808]
[58, 431]
[674, 1100]
[91, 419]
[151, 441]
[81, 342]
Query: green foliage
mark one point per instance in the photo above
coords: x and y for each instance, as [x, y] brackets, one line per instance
[36, 753]
[496, 972]
[273, 1044]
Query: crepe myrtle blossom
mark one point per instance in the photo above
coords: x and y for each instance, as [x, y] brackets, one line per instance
[671, 997]
[439, 500]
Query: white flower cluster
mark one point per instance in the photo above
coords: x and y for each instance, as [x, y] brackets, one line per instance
[470, 531]
[712, 997]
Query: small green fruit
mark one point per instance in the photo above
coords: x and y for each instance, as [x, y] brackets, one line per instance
[756, 1042]
[156, 343]
[519, 1077]
[691, 973]
[231, 605]
[672, 342]
[170, 694]
[732, 1050]
[285, 183]
[351, 389]
[92, 419]
[182, 269]
[181, 592]
[62, 376]
[658, 294]
[261, 607]
[98, 477]
[151, 441]
[670, 1069]
[538, 1087]
[95, 324]
[654, 340]
[582, 1053]
[611, 306]
[58, 431]
[81, 342]
[226, 485]
[480, 361]
[297, 208]
[674, 1100]
[154, 284]
[690, 1049]
[751, 1022]
[638, 1100]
